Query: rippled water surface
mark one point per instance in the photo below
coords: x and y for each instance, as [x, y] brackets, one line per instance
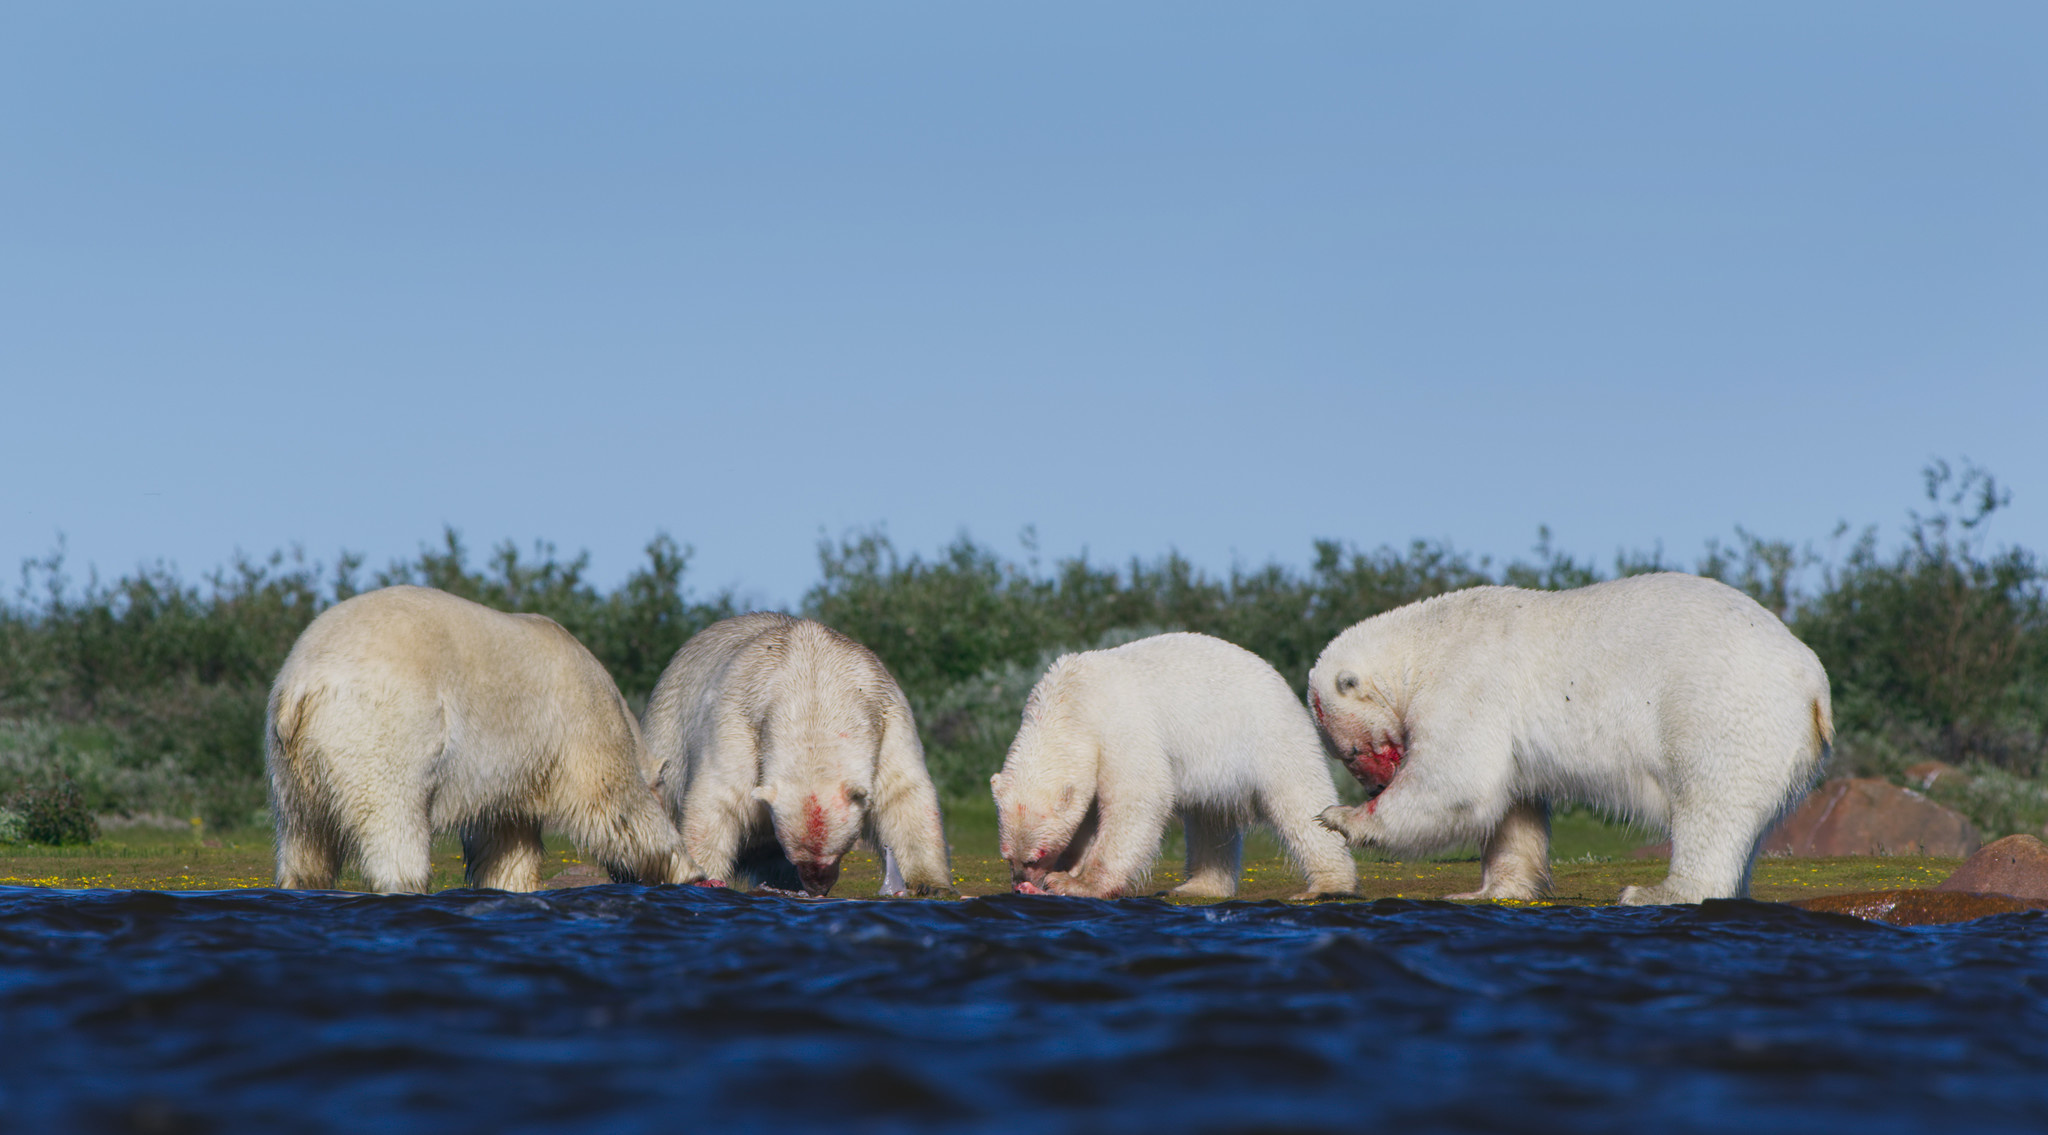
[622, 1009]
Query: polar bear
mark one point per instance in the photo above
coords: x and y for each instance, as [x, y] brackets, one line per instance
[777, 743]
[1666, 699]
[1113, 742]
[406, 711]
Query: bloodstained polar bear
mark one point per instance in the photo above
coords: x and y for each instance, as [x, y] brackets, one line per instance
[406, 711]
[1667, 699]
[778, 742]
[1115, 741]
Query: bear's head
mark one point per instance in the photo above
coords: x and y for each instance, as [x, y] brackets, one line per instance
[819, 741]
[1036, 819]
[1358, 708]
[816, 824]
[1047, 784]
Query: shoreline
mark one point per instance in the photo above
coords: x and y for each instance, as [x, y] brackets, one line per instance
[236, 861]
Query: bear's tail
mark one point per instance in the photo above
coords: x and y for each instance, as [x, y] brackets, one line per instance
[1823, 730]
[283, 732]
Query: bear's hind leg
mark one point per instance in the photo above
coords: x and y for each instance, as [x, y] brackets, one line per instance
[1710, 858]
[1516, 857]
[1718, 822]
[308, 858]
[1215, 855]
[395, 853]
[503, 854]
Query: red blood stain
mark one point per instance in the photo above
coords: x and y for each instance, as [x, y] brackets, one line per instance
[1315, 701]
[1375, 766]
[814, 827]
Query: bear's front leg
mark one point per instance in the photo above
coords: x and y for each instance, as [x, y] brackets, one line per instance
[1357, 825]
[1126, 838]
[1064, 883]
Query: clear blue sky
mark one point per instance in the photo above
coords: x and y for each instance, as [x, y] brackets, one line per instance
[1216, 278]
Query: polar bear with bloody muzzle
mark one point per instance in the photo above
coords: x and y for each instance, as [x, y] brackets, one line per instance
[1114, 742]
[777, 742]
[1665, 699]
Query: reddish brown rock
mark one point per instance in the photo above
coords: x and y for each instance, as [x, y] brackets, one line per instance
[578, 875]
[1862, 816]
[1925, 775]
[1867, 816]
[1918, 908]
[2016, 865]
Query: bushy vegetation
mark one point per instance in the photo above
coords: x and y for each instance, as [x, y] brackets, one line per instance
[147, 694]
[53, 814]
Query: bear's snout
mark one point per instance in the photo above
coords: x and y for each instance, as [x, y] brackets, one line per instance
[818, 878]
[1034, 869]
[1374, 766]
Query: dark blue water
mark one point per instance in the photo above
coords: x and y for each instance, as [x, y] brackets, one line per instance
[623, 1009]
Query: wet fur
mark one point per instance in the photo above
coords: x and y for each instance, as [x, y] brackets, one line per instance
[767, 729]
[407, 711]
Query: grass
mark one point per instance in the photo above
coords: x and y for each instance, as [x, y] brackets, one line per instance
[1591, 862]
[1777, 879]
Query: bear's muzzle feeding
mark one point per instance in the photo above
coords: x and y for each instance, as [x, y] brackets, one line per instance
[818, 878]
[1032, 872]
[1375, 767]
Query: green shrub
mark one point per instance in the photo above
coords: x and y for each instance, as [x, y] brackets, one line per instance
[55, 814]
[1998, 803]
[1946, 637]
[147, 692]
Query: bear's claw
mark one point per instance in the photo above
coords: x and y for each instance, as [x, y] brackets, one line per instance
[1347, 822]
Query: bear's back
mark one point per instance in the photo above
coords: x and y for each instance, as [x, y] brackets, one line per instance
[1655, 629]
[1669, 627]
[760, 664]
[419, 664]
[1196, 685]
[420, 636]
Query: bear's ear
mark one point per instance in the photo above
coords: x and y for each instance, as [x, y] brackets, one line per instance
[1347, 683]
[1000, 783]
[765, 794]
[855, 794]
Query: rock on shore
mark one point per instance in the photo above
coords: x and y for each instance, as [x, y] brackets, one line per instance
[1918, 907]
[1864, 816]
[1868, 816]
[2016, 865]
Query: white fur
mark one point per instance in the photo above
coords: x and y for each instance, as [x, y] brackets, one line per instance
[407, 711]
[1114, 742]
[1665, 699]
[768, 730]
